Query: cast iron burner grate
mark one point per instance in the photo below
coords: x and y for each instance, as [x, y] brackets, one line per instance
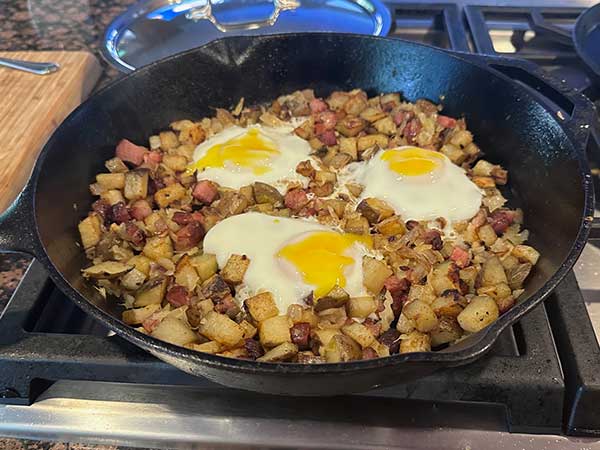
[44, 337]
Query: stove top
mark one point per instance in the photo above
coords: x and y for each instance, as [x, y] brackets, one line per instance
[65, 377]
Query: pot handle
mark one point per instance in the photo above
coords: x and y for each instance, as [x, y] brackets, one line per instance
[17, 225]
[571, 107]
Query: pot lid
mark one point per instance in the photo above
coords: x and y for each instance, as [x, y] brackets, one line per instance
[154, 29]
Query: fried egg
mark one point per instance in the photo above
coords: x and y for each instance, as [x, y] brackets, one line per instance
[291, 258]
[238, 156]
[419, 184]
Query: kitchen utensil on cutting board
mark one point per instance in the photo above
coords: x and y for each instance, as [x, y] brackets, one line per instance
[33, 106]
[38, 68]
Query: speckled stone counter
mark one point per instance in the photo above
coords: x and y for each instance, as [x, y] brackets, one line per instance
[52, 25]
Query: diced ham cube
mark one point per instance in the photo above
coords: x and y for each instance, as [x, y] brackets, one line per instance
[120, 213]
[189, 236]
[328, 137]
[296, 199]
[369, 353]
[446, 122]
[300, 333]
[134, 233]
[328, 119]
[501, 220]
[205, 191]
[317, 105]
[460, 257]
[128, 151]
[178, 296]
[140, 209]
[253, 348]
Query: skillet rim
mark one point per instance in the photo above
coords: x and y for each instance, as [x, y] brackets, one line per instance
[487, 337]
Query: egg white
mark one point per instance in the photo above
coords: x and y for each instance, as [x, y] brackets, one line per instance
[282, 167]
[260, 237]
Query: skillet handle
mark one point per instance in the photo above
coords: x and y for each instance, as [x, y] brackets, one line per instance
[576, 112]
[17, 225]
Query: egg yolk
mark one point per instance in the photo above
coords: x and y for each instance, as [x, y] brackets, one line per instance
[320, 259]
[413, 161]
[251, 150]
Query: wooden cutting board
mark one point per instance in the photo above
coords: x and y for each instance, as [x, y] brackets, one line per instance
[32, 106]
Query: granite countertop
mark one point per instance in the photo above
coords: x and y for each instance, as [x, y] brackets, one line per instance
[52, 25]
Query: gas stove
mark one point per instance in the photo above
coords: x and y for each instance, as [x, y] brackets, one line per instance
[65, 377]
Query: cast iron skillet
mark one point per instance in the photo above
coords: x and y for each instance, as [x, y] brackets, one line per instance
[542, 145]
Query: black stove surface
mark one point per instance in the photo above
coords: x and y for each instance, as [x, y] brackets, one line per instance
[541, 376]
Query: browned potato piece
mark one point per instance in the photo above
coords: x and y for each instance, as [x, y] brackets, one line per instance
[359, 333]
[415, 341]
[106, 269]
[370, 140]
[525, 253]
[220, 328]
[90, 231]
[349, 147]
[447, 331]
[186, 275]
[375, 272]
[423, 316]
[385, 126]
[487, 234]
[374, 210]
[361, 307]
[138, 315]
[198, 310]
[211, 347]
[235, 269]
[310, 358]
[274, 331]
[405, 325]
[350, 126]
[158, 247]
[112, 196]
[136, 184]
[478, 314]
[111, 180]
[392, 226]
[174, 331]
[340, 160]
[132, 280]
[141, 263]
[334, 299]
[116, 165]
[439, 278]
[168, 140]
[231, 203]
[492, 272]
[342, 348]
[262, 306]
[283, 352]
[248, 193]
[249, 329]
[215, 288]
[355, 223]
[206, 265]
[152, 295]
[167, 195]
[338, 206]
[446, 306]
[176, 163]
[372, 114]
[265, 193]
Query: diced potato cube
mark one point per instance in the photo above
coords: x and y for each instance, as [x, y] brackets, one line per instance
[446, 306]
[211, 347]
[526, 253]
[158, 247]
[167, 195]
[112, 196]
[375, 272]
[359, 333]
[487, 234]
[404, 324]
[372, 114]
[356, 224]
[423, 316]
[248, 193]
[334, 299]
[206, 265]
[283, 352]
[136, 184]
[249, 329]
[324, 176]
[447, 331]
[439, 278]
[392, 226]
[342, 348]
[355, 189]
[186, 275]
[421, 292]
[90, 231]
[176, 163]
[483, 168]
[152, 295]
[415, 341]
[274, 331]
[106, 269]
[138, 315]
[348, 146]
[265, 193]
[141, 263]
[370, 140]
[168, 140]
[111, 180]
[492, 272]
[374, 210]
[361, 307]
[174, 331]
[325, 335]
[478, 314]
[116, 165]
[133, 280]
[385, 126]
[262, 306]
[220, 328]
[235, 269]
